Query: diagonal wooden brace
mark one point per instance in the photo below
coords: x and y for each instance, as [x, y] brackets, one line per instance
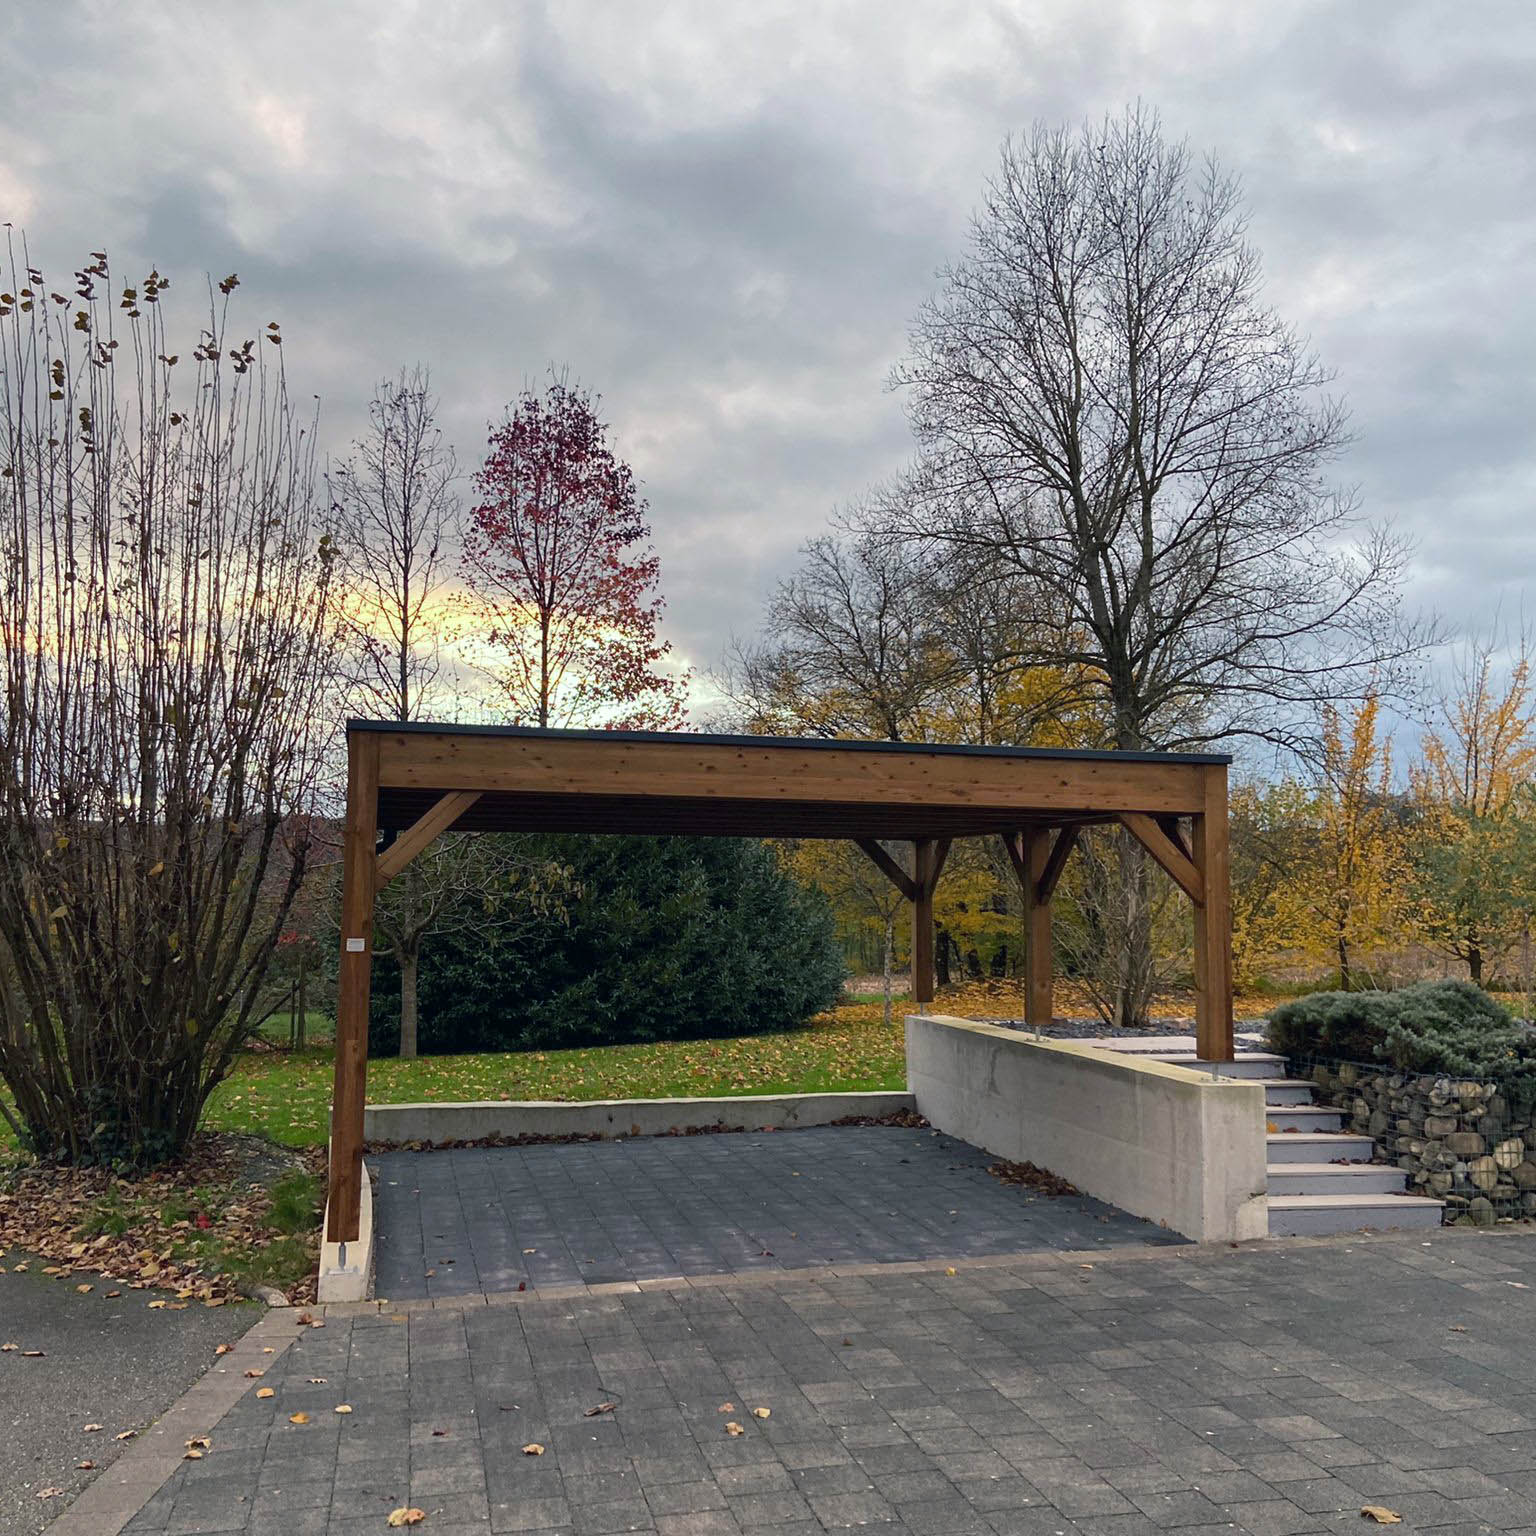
[1186, 875]
[416, 837]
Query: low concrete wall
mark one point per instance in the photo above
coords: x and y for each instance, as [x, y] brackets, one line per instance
[346, 1269]
[617, 1117]
[1178, 1147]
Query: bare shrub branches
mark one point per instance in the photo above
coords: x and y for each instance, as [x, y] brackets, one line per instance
[162, 649]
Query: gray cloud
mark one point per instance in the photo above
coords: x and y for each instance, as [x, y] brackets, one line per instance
[723, 219]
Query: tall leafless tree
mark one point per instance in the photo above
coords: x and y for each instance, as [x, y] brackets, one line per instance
[163, 653]
[1106, 407]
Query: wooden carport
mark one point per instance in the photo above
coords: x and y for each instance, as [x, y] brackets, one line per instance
[415, 782]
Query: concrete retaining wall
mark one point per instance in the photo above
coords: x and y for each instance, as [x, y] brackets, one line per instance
[1178, 1147]
[617, 1117]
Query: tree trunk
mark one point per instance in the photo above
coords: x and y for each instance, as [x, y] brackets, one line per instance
[885, 973]
[1475, 961]
[941, 957]
[1343, 963]
[408, 964]
[1133, 972]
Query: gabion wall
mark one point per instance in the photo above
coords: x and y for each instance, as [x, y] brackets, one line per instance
[1470, 1144]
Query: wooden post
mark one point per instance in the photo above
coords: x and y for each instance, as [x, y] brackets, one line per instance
[351, 1082]
[1213, 922]
[1039, 988]
[922, 922]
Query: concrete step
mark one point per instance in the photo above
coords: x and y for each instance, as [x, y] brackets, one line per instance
[1287, 1090]
[1258, 1064]
[1304, 1117]
[1316, 1147]
[1318, 1215]
[1334, 1179]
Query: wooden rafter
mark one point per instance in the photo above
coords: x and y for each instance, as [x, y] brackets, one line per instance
[1186, 875]
[416, 837]
[888, 867]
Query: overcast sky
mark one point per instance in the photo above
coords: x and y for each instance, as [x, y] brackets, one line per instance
[723, 217]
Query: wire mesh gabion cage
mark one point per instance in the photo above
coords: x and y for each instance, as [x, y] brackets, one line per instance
[1467, 1142]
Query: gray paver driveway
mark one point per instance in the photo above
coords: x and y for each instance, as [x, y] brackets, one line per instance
[1272, 1389]
[453, 1223]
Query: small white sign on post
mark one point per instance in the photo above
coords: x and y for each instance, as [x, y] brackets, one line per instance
[356, 946]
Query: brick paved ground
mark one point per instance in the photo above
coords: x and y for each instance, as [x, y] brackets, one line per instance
[1272, 1389]
[453, 1223]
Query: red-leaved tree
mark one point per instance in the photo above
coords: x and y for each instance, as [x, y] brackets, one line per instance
[560, 576]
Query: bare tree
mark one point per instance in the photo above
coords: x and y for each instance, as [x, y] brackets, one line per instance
[163, 651]
[396, 515]
[1106, 408]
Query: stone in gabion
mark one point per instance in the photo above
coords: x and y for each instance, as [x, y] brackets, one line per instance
[1481, 1212]
[1509, 1154]
[1483, 1172]
[1524, 1175]
[1439, 1125]
[1466, 1144]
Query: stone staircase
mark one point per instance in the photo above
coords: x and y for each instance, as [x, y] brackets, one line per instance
[1321, 1179]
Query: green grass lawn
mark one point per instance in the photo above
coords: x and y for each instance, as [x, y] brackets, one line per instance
[287, 1097]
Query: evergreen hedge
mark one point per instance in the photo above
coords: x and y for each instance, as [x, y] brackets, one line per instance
[1431, 1027]
[669, 938]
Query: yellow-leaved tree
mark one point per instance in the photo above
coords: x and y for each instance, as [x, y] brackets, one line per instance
[1355, 882]
[1472, 799]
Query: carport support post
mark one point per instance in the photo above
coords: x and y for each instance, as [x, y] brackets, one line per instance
[1213, 921]
[922, 922]
[358, 877]
[1039, 989]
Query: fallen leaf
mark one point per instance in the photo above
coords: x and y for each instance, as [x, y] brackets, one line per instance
[199, 1443]
[127, 1434]
[49, 1493]
[951, 1270]
[85, 1466]
[252, 1374]
[318, 1381]
[298, 1418]
[592, 1413]
[727, 1408]
[34, 1354]
[9, 1349]
[403, 1516]
[762, 1413]
[223, 1349]
[533, 1449]
[1381, 1514]
[85, 1290]
[343, 1407]
[733, 1429]
[93, 1429]
[266, 1392]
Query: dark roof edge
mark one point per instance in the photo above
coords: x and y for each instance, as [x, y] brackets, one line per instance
[1074, 754]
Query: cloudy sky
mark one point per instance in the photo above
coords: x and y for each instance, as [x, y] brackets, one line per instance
[723, 217]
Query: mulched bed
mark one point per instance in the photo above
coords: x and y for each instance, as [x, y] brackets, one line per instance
[43, 1208]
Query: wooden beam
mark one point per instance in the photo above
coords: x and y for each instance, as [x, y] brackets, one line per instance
[1050, 875]
[888, 867]
[1186, 875]
[1213, 924]
[1174, 832]
[359, 863]
[416, 837]
[922, 924]
[723, 772]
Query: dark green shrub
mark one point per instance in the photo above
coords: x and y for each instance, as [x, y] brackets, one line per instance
[1432, 1026]
[668, 938]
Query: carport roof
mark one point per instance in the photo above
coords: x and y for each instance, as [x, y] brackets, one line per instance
[529, 779]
